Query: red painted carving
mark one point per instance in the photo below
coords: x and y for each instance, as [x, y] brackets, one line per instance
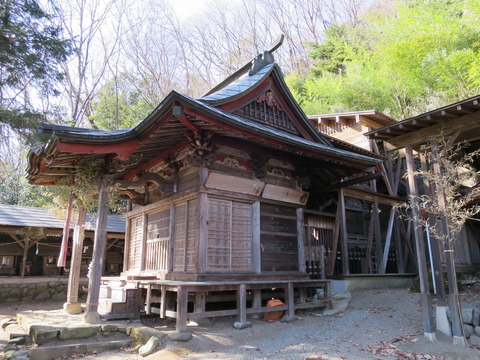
[269, 98]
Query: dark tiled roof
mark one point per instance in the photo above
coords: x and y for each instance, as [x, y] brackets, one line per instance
[240, 86]
[22, 216]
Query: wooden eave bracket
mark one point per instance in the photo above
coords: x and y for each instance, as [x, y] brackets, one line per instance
[165, 185]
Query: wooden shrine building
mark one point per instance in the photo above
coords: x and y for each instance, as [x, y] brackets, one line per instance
[219, 188]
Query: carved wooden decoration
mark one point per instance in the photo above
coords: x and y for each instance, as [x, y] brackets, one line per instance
[257, 163]
[165, 186]
[267, 110]
[202, 149]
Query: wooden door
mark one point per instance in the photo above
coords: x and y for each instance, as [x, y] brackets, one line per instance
[229, 240]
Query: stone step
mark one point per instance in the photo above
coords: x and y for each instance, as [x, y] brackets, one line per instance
[67, 350]
[128, 307]
[15, 331]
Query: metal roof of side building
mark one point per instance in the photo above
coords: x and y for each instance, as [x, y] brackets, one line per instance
[23, 216]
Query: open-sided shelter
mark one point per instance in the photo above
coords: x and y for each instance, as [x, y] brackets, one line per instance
[30, 241]
[457, 123]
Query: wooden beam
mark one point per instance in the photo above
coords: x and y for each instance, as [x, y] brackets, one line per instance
[384, 171]
[462, 124]
[17, 240]
[371, 197]
[388, 239]
[350, 182]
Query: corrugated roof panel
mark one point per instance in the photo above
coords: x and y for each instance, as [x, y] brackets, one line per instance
[22, 216]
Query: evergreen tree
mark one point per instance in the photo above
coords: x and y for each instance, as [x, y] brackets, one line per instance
[31, 47]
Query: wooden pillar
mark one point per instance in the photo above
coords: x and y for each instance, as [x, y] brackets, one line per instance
[256, 241]
[301, 240]
[182, 308]
[148, 300]
[428, 329]
[455, 308]
[378, 235]
[76, 264]
[289, 298]
[203, 232]
[100, 241]
[143, 246]
[163, 301]
[336, 231]
[367, 269]
[400, 256]
[200, 302]
[242, 303]
[343, 224]
[435, 243]
[26, 246]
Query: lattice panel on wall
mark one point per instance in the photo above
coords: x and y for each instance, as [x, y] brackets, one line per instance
[135, 245]
[157, 247]
[229, 243]
[278, 238]
[185, 237]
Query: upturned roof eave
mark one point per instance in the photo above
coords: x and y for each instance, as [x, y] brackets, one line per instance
[74, 135]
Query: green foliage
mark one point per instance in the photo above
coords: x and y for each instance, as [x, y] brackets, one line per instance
[15, 190]
[31, 47]
[396, 61]
[119, 105]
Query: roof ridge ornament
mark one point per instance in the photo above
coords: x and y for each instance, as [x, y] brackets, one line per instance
[260, 62]
[265, 58]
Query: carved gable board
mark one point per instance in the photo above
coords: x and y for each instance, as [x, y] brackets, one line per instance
[268, 110]
[265, 98]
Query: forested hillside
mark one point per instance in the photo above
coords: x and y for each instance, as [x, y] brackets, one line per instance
[107, 64]
[401, 58]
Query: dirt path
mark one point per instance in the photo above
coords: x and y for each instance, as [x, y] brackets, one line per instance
[378, 324]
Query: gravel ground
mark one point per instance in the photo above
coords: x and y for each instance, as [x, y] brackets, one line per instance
[377, 324]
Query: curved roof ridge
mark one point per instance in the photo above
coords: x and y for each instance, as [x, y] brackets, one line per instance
[239, 85]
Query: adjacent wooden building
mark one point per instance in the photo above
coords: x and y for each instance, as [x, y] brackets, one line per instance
[35, 235]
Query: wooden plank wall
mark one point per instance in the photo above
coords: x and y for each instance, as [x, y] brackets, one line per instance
[185, 237]
[158, 235]
[135, 244]
[278, 238]
[229, 242]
